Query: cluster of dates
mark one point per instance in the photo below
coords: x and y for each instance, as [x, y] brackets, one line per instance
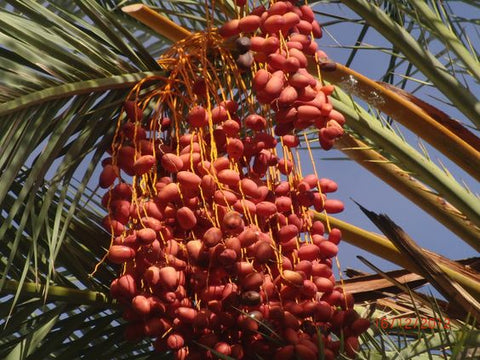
[281, 39]
[211, 218]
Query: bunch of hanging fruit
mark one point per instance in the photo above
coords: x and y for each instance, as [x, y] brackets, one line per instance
[210, 215]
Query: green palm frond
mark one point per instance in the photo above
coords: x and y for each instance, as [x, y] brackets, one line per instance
[421, 57]
[412, 161]
[405, 183]
[66, 74]
[77, 318]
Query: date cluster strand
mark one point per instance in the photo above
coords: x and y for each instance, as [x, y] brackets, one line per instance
[210, 214]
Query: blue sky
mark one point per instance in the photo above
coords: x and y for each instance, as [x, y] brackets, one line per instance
[358, 184]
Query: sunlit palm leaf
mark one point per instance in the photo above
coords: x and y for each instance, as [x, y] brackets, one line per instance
[450, 86]
[405, 183]
[363, 123]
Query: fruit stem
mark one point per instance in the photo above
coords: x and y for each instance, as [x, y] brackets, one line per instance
[159, 23]
[58, 293]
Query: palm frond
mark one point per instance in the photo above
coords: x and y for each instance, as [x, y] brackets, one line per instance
[428, 64]
[409, 115]
[68, 313]
[407, 185]
[365, 124]
[434, 21]
[428, 267]
[382, 247]
[67, 72]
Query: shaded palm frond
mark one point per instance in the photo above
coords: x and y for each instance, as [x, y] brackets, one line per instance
[382, 247]
[428, 267]
[66, 72]
[68, 313]
[370, 287]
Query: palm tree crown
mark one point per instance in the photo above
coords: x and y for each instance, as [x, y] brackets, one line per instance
[66, 69]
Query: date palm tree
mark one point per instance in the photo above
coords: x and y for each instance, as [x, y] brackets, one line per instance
[66, 68]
